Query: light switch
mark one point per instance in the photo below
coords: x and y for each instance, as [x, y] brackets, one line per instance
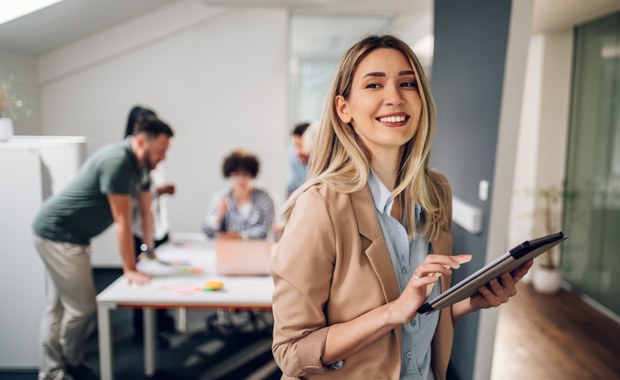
[483, 190]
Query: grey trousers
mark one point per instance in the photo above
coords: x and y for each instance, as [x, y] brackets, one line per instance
[70, 304]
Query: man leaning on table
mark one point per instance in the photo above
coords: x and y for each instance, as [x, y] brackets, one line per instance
[98, 197]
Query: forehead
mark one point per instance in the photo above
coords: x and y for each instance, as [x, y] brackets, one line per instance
[160, 142]
[383, 60]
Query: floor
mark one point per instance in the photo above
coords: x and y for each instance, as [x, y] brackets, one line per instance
[555, 337]
[538, 337]
[197, 354]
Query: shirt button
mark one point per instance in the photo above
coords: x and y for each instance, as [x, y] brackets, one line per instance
[404, 270]
[409, 355]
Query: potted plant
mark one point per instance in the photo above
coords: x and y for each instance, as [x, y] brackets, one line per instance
[12, 105]
[547, 276]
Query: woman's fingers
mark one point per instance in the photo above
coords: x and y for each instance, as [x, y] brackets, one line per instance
[431, 270]
[462, 259]
[453, 262]
[522, 270]
[436, 265]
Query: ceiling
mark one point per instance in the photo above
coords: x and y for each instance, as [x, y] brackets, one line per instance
[556, 15]
[67, 21]
[71, 20]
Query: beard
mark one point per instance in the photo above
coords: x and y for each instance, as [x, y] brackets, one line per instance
[147, 163]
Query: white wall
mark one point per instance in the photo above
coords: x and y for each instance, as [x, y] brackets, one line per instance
[417, 31]
[543, 134]
[220, 80]
[555, 108]
[24, 68]
[521, 224]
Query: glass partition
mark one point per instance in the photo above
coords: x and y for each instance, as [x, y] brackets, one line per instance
[591, 256]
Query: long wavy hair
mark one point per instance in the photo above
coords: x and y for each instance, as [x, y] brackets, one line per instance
[340, 160]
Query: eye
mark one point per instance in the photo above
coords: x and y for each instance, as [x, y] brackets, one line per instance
[412, 84]
[373, 85]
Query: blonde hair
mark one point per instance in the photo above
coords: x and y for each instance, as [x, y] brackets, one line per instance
[340, 160]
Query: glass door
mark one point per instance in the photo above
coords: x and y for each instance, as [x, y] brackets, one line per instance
[591, 255]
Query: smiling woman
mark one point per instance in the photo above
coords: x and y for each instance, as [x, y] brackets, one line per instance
[368, 235]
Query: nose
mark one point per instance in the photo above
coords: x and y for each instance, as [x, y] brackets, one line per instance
[393, 96]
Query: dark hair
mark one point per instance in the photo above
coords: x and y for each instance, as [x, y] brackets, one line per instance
[240, 160]
[152, 127]
[136, 115]
[300, 128]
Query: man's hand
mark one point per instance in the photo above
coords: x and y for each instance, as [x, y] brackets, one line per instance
[167, 188]
[134, 277]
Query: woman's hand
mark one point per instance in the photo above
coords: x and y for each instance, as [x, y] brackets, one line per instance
[405, 307]
[232, 235]
[500, 289]
[222, 210]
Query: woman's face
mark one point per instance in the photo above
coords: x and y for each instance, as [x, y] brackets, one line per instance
[384, 104]
[241, 179]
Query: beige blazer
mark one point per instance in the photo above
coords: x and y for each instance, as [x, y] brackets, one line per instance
[332, 265]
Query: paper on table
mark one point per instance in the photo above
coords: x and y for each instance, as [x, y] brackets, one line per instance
[157, 268]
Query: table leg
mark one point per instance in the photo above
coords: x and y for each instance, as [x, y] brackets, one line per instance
[150, 341]
[105, 344]
[182, 320]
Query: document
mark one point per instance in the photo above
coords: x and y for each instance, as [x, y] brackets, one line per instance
[508, 262]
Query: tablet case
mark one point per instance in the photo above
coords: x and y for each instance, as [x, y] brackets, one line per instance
[509, 262]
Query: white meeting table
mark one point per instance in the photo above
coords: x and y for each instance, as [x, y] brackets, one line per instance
[176, 291]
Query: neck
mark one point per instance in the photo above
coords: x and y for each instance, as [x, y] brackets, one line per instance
[385, 165]
[136, 149]
[242, 193]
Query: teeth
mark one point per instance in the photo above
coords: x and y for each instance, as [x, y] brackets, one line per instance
[392, 119]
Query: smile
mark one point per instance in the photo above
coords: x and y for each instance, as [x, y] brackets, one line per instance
[392, 119]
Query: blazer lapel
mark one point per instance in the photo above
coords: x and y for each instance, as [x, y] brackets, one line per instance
[377, 252]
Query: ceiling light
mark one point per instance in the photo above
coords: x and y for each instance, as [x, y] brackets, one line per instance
[10, 10]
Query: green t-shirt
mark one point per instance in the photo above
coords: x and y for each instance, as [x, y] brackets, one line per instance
[82, 211]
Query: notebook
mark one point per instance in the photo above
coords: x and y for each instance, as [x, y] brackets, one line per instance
[243, 257]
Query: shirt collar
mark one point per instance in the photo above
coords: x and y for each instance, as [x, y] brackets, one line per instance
[383, 198]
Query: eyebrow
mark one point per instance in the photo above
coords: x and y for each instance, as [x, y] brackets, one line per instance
[382, 74]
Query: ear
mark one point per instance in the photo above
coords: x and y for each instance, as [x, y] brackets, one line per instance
[343, 109]
[141, 140]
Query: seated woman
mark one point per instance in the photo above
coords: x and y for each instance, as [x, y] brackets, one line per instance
[241, 210]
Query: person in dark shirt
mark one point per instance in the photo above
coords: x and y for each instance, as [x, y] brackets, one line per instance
[98, 197]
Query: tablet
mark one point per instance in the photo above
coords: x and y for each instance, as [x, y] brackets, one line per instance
[509, 262]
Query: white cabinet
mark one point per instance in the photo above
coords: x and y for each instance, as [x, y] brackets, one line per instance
[31, 169]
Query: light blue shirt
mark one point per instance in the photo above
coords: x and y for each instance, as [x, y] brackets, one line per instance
[296, 170]
[406, 254]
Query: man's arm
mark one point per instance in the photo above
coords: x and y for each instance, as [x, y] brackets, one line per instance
[120, 204]
[145, 201]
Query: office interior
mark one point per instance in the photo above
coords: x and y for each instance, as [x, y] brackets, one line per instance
[527, 91]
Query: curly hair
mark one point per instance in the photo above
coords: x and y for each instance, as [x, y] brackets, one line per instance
[240, 160]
